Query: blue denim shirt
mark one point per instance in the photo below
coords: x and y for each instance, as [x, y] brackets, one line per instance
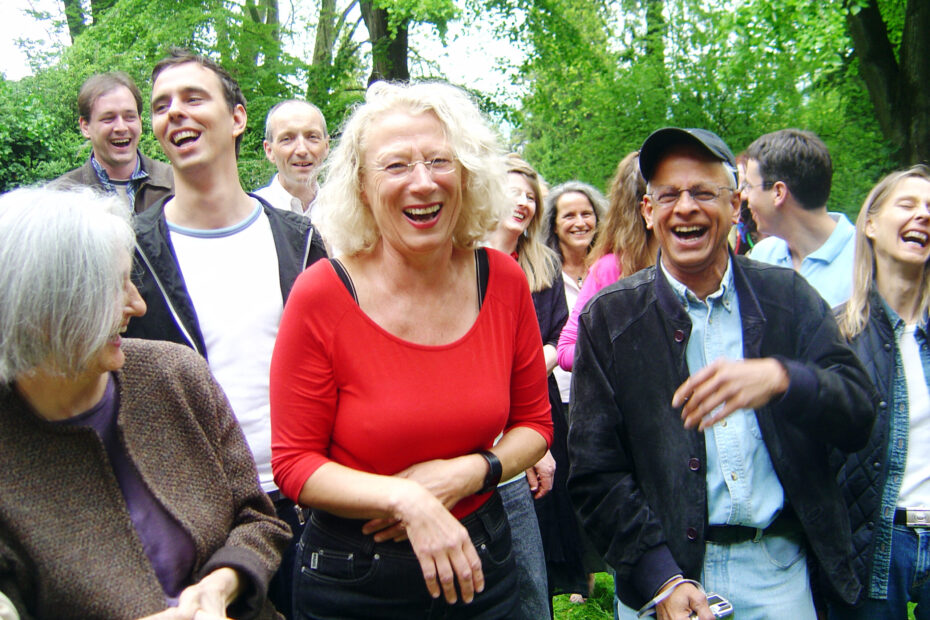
[897, 452]
[742, 486]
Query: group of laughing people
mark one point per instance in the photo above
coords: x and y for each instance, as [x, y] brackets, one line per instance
[431, 387]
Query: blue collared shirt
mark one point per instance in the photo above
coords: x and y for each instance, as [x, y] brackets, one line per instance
[829, 268]
[132, 186]
[742, 486]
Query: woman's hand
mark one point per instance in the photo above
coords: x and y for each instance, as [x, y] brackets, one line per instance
[449, 480]
[441, 544]
[205, 600]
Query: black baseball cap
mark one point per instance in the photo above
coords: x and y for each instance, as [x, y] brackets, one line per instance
[662, 139]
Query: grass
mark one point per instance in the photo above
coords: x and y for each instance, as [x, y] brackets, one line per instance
[598, 606]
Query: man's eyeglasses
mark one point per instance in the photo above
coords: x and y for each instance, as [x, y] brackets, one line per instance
[668, 196]
[436, 165]
[745, 187]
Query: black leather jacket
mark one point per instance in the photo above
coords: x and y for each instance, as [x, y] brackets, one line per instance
[637, 476]
[170, 314]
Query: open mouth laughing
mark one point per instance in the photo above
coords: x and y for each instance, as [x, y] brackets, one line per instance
[184, 137]
[689, 233]
[915, 237]
[423, 215]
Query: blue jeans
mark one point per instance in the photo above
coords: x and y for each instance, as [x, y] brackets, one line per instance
[764, 579]
[344, 574]
[533, 583]
[908, 580]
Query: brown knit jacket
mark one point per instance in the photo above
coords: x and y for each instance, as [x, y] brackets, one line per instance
[67, 546]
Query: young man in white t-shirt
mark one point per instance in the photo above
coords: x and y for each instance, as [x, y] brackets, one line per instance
[215, 264]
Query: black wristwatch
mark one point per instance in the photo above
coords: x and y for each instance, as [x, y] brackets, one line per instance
[495, 470]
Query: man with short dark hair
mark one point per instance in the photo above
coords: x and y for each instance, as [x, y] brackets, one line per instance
[215, 264]
[110, 116]
[705, 392]
[788, 177]
[296, 142]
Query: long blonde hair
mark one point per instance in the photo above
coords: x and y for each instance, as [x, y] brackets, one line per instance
[854, 318]
[539, 262]
[624, 231]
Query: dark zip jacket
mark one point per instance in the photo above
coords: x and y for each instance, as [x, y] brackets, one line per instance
[170, 314]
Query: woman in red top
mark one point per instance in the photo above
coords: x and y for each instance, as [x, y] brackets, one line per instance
[399, 363]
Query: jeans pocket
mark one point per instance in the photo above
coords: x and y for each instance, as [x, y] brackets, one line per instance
[495, 553]
[329, 561]
[782, 551]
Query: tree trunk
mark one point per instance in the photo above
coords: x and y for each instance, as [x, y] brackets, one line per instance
[388, 49]
[74, 15]
[899, 89]
[325, 34]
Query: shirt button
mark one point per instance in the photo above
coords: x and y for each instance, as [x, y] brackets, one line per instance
[870, 525]
[887, 346]
[883, 405]
[733, 475]
[679, 335]
[691, 533]
[694, 464]
[876, 464]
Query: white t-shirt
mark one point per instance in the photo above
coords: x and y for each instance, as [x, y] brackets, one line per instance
[231, 275]
[915, 487]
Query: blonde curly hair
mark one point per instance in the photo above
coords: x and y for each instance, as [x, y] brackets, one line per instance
[348, 223]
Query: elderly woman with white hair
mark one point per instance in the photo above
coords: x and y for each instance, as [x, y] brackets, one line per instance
[128, 489]
[398, 363]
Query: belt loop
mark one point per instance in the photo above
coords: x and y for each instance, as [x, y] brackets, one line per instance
[758, 536]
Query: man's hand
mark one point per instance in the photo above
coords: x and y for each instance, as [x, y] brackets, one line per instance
[740, 384]
[684, 600]
[541, 475]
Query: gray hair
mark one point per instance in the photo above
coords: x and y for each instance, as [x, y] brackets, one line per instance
[61, 278]
[269, 135]
[349, 225]
[598, 204]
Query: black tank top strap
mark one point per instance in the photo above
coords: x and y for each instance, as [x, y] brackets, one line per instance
[344, 276]
[481, 273]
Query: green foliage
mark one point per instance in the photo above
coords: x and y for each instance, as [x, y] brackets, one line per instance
[436, 12]
[600, 76]
[26, 134]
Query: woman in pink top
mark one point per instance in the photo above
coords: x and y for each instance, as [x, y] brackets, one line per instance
[624, 246]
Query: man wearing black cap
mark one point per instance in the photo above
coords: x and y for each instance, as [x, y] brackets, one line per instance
[705, 392]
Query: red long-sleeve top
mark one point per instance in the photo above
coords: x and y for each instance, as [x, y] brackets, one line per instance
[345, 390]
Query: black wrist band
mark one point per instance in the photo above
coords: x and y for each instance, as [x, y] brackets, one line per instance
[495, 469]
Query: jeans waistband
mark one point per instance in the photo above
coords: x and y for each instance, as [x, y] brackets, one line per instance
[483, 525]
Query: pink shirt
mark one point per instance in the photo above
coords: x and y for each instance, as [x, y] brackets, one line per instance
[603, 272]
